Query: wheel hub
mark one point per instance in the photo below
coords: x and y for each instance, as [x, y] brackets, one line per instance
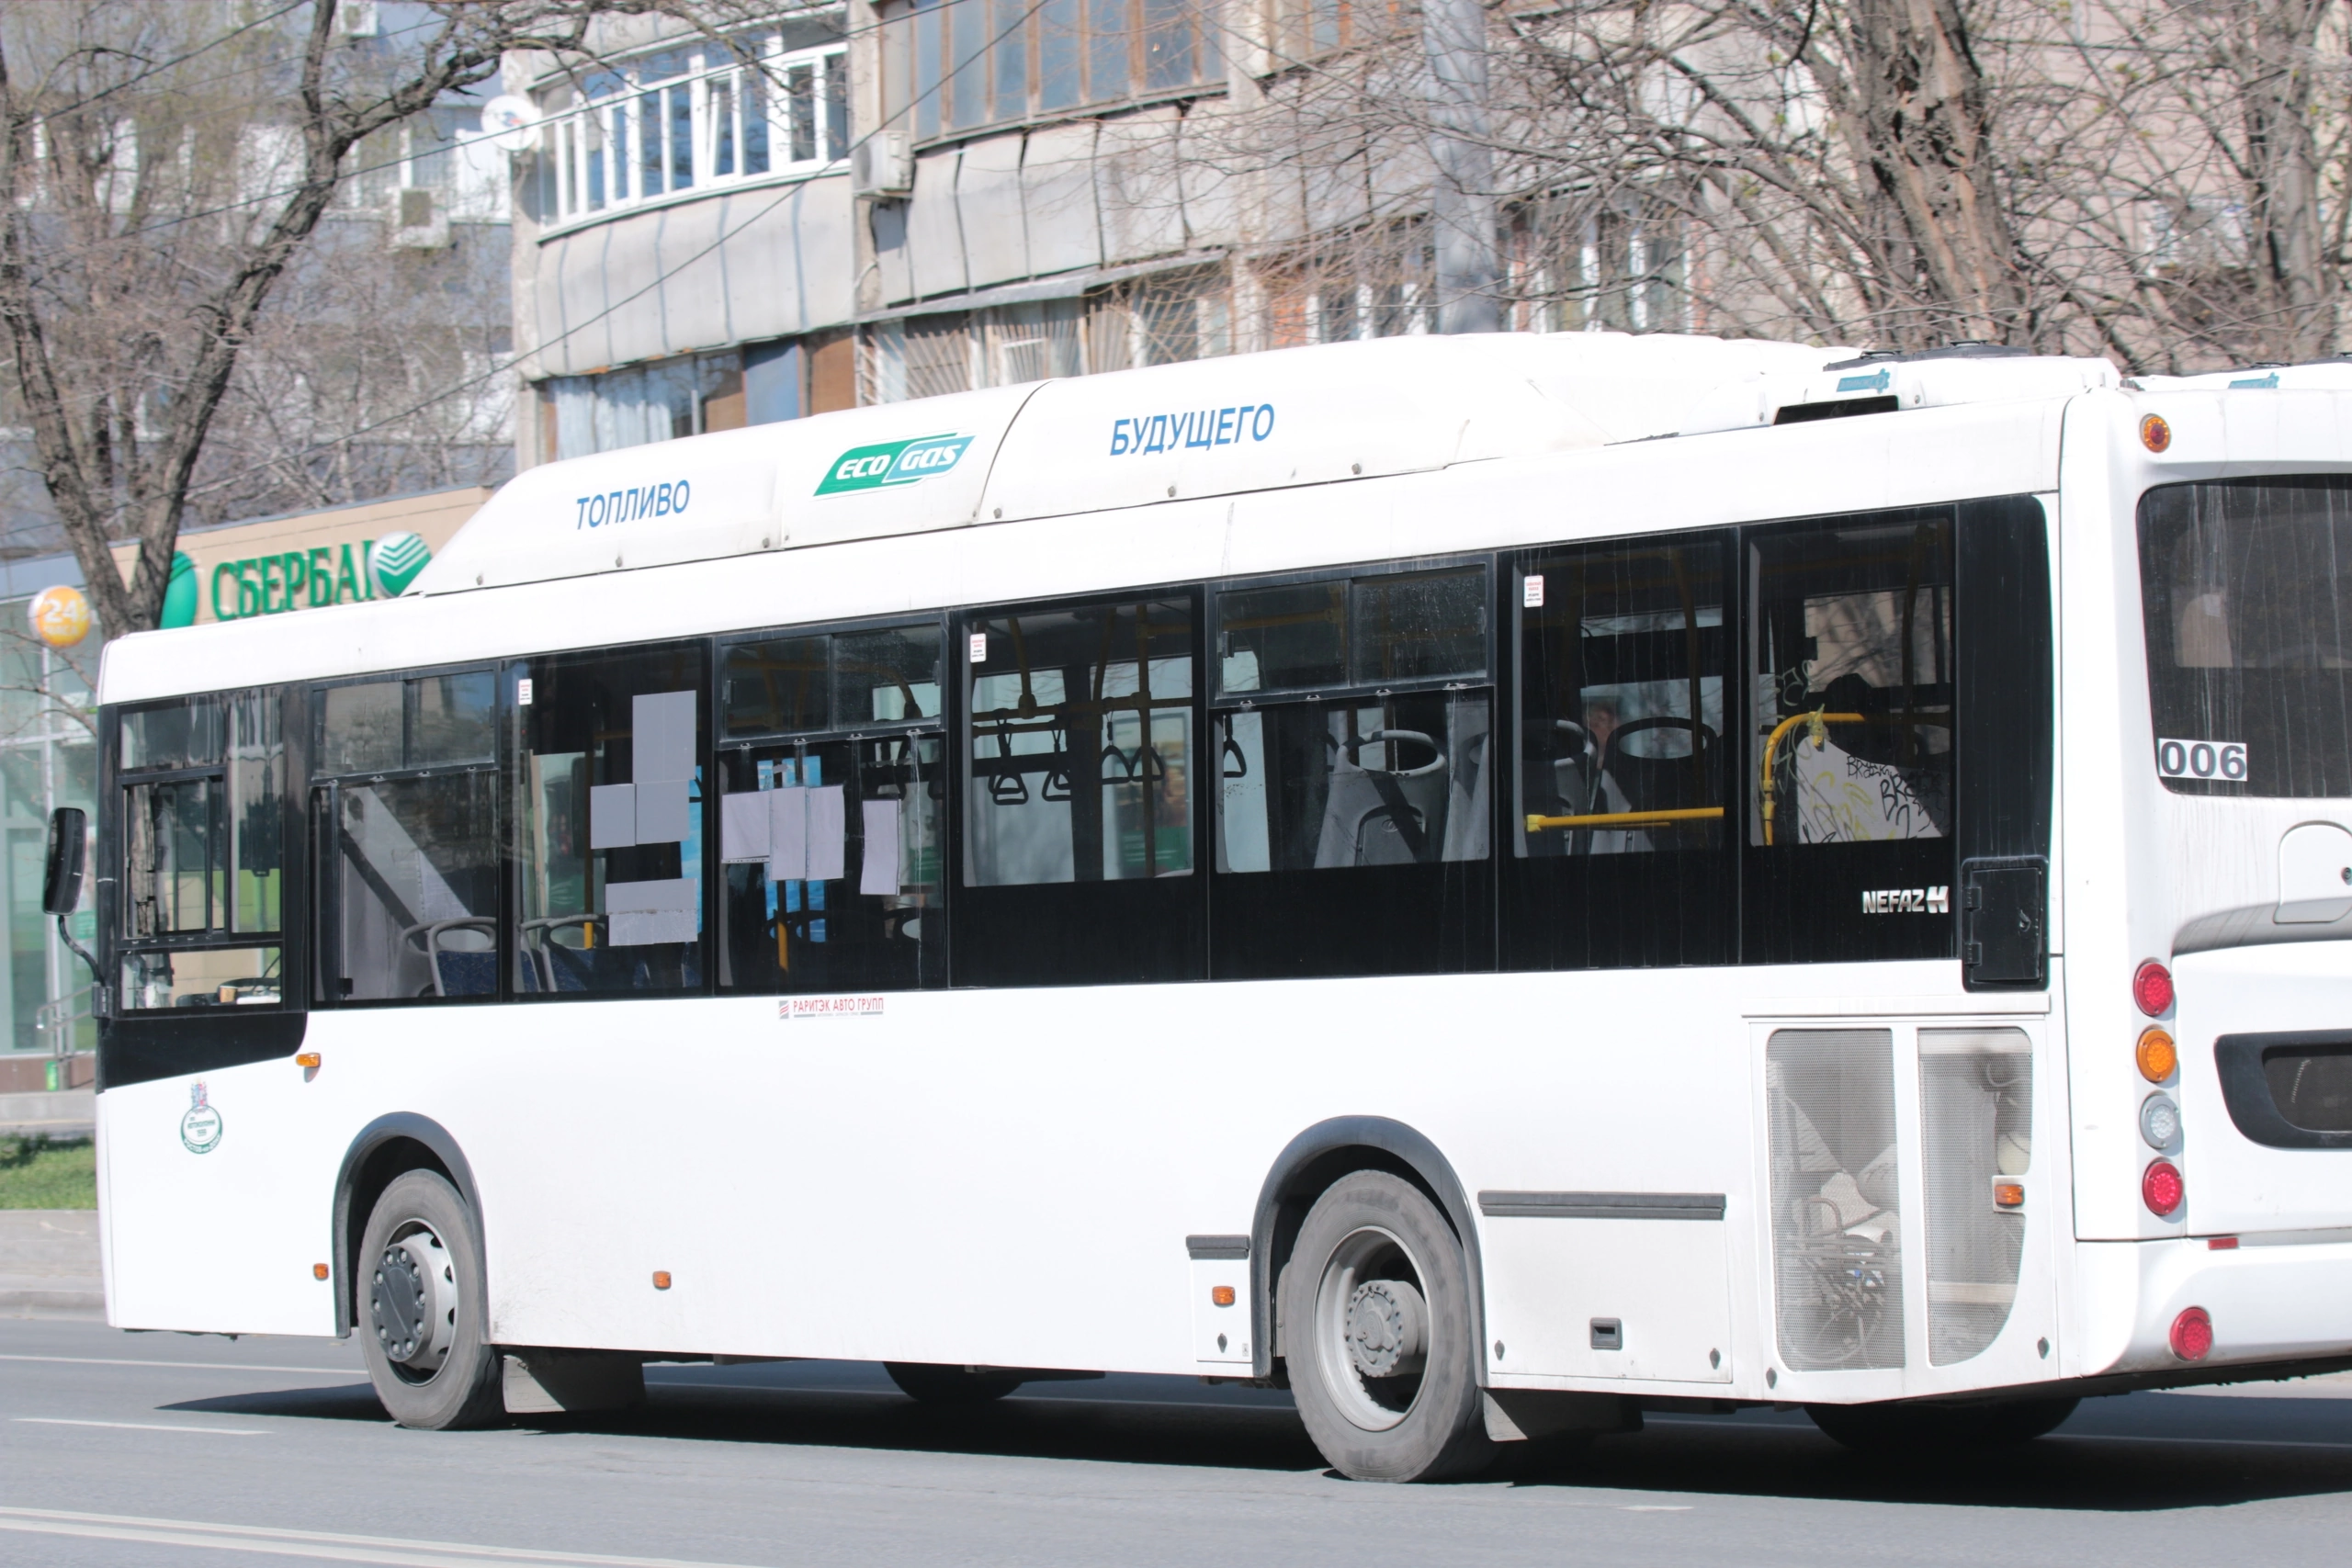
[412, 1302]
[1387, 1328]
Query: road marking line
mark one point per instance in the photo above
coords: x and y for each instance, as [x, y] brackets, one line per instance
[147, 1427]
[202, 1366]
[312, 1543]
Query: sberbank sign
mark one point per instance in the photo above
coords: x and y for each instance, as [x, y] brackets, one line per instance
[893, 463]
[314, 578]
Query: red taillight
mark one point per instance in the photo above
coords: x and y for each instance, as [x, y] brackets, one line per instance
[2192, 1334]
[2152, 989]
[2162, 1189]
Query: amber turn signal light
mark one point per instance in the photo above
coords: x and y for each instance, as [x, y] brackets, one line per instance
[2156, 1055]
[307, 1059]
[1221, 1295]
[2009, 1194]
[319, 1270]
[661, 1278]
[2154, 434]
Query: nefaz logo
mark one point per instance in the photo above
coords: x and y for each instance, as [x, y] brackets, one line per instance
[1907, 901]
[893, 463]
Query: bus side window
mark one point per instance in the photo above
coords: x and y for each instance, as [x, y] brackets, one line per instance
[832, 794]
[1079, 759]
[404, 812]
[1851, 828]
[1620, 846]
[1353, 800]
[609, 821]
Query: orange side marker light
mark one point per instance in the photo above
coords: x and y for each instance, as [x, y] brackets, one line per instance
[319, 1271]
[1221, 1295]
[2154, 434]
[307, 1059]
[661, 1278]
[2009, 1194]
[2156, 1054]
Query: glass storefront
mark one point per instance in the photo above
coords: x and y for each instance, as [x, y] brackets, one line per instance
[48, 758]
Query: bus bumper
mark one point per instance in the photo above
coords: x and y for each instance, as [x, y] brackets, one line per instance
[2271, 1301]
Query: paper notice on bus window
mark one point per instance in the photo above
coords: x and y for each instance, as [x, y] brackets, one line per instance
[641, 914]
[743, 827]
[612, 817]
[828, 834]
[788, 834]
[881, 873]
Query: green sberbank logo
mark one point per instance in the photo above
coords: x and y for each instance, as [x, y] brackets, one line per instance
[396, 561]
[893, 463]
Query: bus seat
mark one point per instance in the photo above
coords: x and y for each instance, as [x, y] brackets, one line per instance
[1382, 816]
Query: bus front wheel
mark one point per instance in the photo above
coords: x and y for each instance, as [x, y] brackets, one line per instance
[1377, 1330]
[423, 1309]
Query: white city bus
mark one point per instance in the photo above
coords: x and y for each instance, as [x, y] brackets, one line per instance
[1495, 883]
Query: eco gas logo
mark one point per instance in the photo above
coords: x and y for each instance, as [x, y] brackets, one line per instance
[893, 463]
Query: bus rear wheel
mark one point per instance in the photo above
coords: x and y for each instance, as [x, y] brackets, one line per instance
[422, 1309]
[950, 1385]
[1376, 1331]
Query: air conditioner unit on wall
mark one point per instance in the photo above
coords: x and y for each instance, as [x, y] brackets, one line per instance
[883, 165]
[419, 219]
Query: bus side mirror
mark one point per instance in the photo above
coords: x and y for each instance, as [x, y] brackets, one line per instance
[60, 881]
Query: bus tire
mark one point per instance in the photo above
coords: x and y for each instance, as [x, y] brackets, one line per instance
[2022, 1420]
[1377, 1329]
[933, 1384]
[422, 1309]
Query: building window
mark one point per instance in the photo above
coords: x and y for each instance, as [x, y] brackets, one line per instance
[438, 150]
[696, 394]
[1620, 266]
[1366, 284]
[1301, 31]
[691, 395]
[954, 65]
[1162, 319]
[690, 118]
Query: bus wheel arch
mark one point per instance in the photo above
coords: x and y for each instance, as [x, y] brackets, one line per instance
[1308, 1166]
[383, 1151]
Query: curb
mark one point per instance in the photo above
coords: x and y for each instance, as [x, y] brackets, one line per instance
[77, 1305]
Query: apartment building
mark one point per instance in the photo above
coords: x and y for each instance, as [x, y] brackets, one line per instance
[862, 202]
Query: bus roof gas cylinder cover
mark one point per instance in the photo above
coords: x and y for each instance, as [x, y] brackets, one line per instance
[2314, 874]
[2152, 989]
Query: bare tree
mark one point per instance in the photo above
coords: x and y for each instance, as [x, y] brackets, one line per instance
[153, 215]
[2164, 181]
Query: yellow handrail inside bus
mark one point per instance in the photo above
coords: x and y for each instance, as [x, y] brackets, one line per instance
[1629, 818]
[1815, 720]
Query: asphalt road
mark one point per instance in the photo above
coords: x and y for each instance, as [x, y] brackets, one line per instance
[148, 1448]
